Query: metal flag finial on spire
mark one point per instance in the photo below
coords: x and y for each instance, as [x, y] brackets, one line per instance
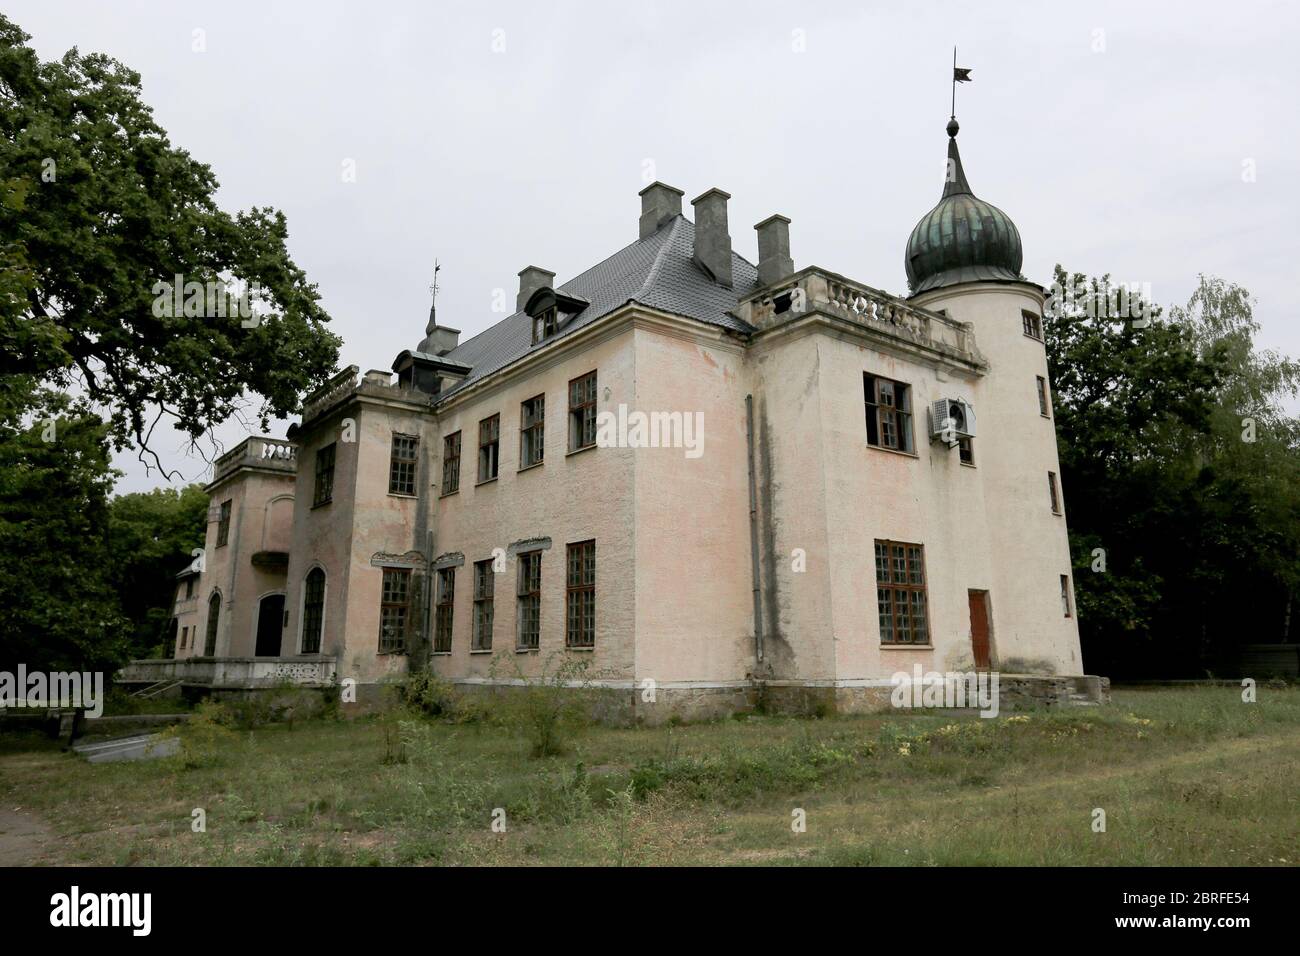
[959, 75]
[433, 305]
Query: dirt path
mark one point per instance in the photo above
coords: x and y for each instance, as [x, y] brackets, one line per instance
[24, 838]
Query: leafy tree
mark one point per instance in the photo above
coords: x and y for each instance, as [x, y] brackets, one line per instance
[60, 609]
[1199, 530]
[151, 536]
[97, 208]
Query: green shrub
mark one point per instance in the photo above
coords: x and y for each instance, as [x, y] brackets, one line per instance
[547, 708]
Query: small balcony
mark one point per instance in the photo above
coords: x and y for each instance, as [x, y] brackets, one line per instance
[263, 454]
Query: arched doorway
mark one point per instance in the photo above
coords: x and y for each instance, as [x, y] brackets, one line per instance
[270, 625]
[214, 616]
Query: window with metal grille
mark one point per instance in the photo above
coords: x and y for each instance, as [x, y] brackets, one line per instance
[393, 610]
[1042, 397]
[900, 593]
[532, 431]
[451, 464]
[324, 491]
[582, 412]
[966, 451]
[443, 611]
[489, 447]
[889, 413]
[223, 525]
[1033, 324]
[214, 617]
[401, 466]
[529, 601]
[484, 588]
[1065, 594]
[580, 596]
[1051, 490]
[313, 610]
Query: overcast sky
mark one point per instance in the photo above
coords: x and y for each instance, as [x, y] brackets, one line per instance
[499, 135]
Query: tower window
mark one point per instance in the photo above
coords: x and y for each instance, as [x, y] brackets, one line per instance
[324, 490]
[1042, 397]
[1033, 324]
[1065, 595]
[223, 524]
[1055, 495]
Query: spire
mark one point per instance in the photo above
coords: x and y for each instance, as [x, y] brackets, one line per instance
[955, 179]
[432, 325]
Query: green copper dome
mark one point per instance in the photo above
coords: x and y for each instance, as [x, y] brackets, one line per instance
[963, 239]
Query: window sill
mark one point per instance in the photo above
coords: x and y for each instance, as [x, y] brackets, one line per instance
[536, 464]
[401, 653]
[485, 481]
[527, 650]
[1048, 417]
[1036, 338]
[893, 451]
[448, 494]
[1058, 513]
[322, 504]
[579, 451]
[481, 650]
[907, 647]
[967, 464]
[402, 494]
[569, 647]
[440, 653]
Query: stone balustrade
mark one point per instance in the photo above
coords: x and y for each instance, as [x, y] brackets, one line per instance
[313, 670]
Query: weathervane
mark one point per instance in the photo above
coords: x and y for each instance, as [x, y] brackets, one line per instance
[959, 75]
[433, 288]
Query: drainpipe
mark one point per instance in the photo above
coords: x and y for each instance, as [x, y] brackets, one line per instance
[753, 530]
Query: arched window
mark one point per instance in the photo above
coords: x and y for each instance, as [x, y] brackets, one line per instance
[214, 615]
[313, 611]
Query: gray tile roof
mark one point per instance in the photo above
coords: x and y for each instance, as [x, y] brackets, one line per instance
[657, 271]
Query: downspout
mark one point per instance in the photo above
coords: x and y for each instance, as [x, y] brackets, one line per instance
[753, 530]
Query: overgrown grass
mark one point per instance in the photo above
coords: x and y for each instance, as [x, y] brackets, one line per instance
[1185, 776]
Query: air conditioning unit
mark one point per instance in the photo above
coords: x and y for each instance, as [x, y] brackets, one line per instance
[956, 414]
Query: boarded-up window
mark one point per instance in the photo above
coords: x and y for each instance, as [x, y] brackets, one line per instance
[900, 593]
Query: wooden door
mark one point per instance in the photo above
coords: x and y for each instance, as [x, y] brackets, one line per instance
[979, 628]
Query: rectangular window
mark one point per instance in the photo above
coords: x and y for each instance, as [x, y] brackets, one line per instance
[1065, 594]
[1033, 324]
[185, 633]
[393, 609]
[889, 413]
[580, 595]
[966, 451]
[484, 588]
[324, 475]
[223, 525]
[443, 611]
[900, 593]
[489, 446]
[532, 431]
[582, 412]
[1042, 397]
[189, 588]
[1051, 490]
[451, 464]
[545, 323]
[401, 466]
[529, 603]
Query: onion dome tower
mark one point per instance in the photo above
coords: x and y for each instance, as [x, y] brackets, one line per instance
[963, 238]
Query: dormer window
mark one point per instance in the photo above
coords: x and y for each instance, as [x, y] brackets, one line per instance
[544, 325]
[549, 310]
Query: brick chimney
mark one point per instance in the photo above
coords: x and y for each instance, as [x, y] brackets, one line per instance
[712, 241]
[774, 262]
[659, 204]
[532, 278]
